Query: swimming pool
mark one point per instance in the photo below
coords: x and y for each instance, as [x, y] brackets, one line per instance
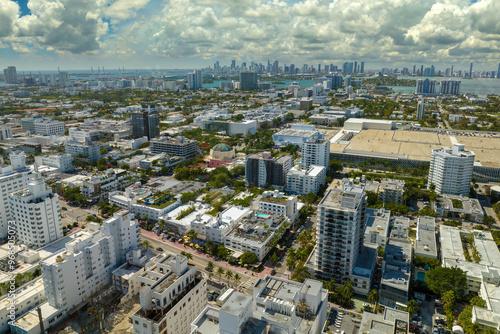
[263, 215]
[421, 276]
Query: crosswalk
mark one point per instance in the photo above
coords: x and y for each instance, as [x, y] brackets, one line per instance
[248, 284]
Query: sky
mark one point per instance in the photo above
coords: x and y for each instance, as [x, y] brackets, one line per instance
[161, 34]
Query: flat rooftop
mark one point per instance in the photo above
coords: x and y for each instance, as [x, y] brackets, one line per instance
[334, 198]
[418, 145]
[425, 243]
[377, 221]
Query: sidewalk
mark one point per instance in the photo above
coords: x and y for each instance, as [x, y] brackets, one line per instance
[217, 263]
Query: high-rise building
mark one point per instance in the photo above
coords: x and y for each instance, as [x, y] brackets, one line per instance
[172, 299]
[36, 211]
[362, 69]
[12, 178]
[421, 70]
[10, 75]
[63, 79]
[336, 80]
[340, 233]
[355, 67]
[262, 170]
[5, 132]
[91, 150]
[195, 80]
[451, 170]
[303, 181]
[421, 109]
[470, 71]
[146, 123]
[292, 68]
[233, 64]
[498, 71]
[426, 86]
[347, 81]
[450, 87]
[315, 151]
[248, 80]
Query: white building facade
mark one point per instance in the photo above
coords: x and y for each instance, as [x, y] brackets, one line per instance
[63, 162]
[305, 181]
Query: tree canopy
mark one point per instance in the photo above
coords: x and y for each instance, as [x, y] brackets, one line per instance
[440, 280]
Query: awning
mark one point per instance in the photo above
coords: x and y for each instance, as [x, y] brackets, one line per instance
[237, 254]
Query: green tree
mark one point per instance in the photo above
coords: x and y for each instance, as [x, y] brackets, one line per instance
[412, 307]
[145, 244]
[371, 198]
[210, 266]
[229, 275]
[188, 255]
[373, 298]
[440, 280]
[274, 258]
[248, 258]
[192, 234]
[310, 198]
[220, 272]
[236, 278]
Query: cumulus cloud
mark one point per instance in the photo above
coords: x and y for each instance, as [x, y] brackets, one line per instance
[305, 30]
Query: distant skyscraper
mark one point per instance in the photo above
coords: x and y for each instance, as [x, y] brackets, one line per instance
[319, 68]
[450, 87]
[292, 68]
[414, 67]
[421, 109]
[426, 86]
[355, 67]
[195, 80]
[362, 70]
[498, 71]
[470, 72]
[421, 70]
[248, 80]
[347, 81]
[233, 64]
[10, 75]
[146, 123]
[451, 74]
[63, 79]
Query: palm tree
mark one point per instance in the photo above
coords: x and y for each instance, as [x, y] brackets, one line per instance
[347, 291]
[192, 234]
[210, 266]
[229, 275]
[162, 224]
[236, 278]
[291, 263]
[412, 307]
[302, 254]
[220, 272]
[145, 244]
[373, 298]
[291, 252]
[189, 256]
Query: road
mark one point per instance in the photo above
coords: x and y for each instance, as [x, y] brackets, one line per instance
[73, 214]
[201, 261]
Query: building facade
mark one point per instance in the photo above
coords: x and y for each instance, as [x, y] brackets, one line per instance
[262, 170]
[36, 212]
[426, 86]
[304, 181]
[450, 87]
[315, 151]
[146, 123]
[63, 162]
[177, 146]
[10, 75]
[91, 150]
[248, 80]
[451, 170]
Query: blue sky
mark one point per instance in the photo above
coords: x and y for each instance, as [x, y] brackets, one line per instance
[75, 34]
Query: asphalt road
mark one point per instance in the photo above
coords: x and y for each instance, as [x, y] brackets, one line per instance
[246, 283]
[73, 214]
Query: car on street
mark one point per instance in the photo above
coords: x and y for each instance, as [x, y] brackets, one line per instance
[64, 208]
[159, 249]
[273, 272]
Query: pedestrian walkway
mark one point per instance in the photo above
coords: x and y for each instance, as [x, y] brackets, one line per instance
[248, 284]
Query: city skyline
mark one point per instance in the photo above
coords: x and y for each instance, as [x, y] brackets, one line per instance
[156, 34]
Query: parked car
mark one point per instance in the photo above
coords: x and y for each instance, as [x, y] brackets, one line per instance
[159, 249]
[273, 272]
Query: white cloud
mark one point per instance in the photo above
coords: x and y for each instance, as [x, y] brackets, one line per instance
[307, 30]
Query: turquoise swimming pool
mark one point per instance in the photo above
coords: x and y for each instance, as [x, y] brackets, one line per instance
[263, 215]
[421, 276]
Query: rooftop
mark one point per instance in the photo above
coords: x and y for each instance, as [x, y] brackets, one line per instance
[336, 198]
[377, 221]
[425, 244]
[397, 260]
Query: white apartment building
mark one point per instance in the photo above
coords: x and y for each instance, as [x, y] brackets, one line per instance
[421, 109]
[49, 128]
[391, 190]
[63, 162]
[12, 178]
[256, 233]
[91, 150]
[451, 170]
[315, 152]
[5, 132]
[377, 226]
[82, 135]
[277, 202]
[172, 294]
[101, 184]
[305, 181]
[277, 306]
[26, 298]
[450, 87]
[340, 233]
[84, 266]
[36, 213]
[122, 224]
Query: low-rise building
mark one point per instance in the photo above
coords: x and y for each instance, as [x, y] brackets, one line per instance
[278, 202]
[297, 134]
[173, 292]
[277, 306]
[229, 127]
[258, 233]
[177, 146]
[304, 181]
[425, 242]
[392, 321]
[377, 226]
[396, 266]
[459, 207]
[49, 128]
[90, 150]
[362, 273]
[63, 162]
[99, 185]
[391, 190]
